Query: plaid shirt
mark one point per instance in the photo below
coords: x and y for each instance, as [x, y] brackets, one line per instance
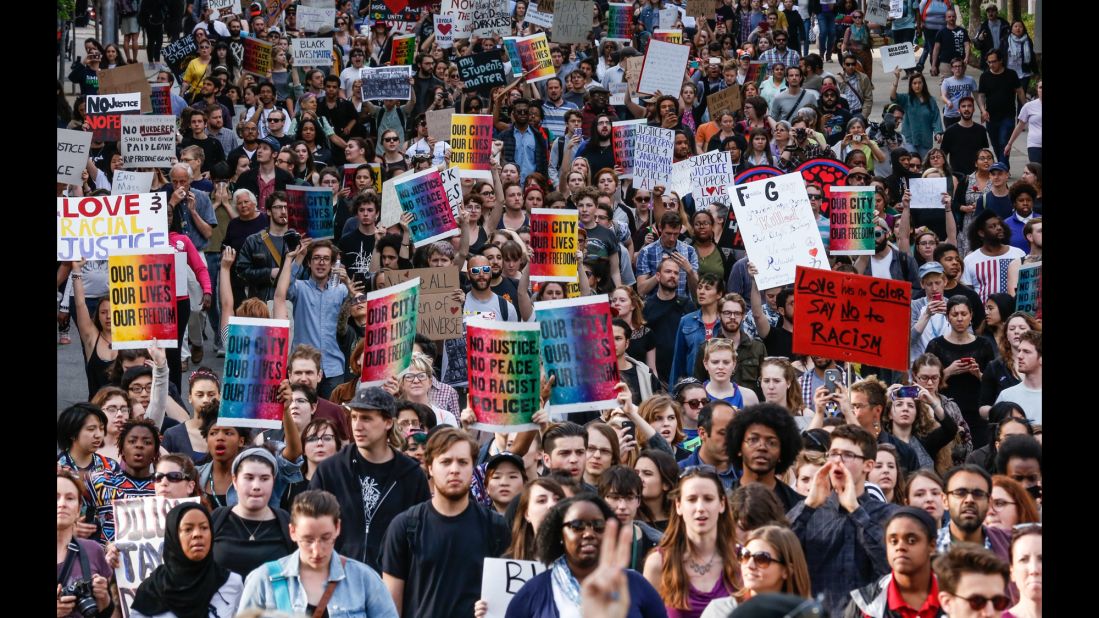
[444, 396]
[648, 261]
[773, 56]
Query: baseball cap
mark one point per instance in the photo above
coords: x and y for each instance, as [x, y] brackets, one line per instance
[827, 87]
[930, 268]
[999, 166]
[270, 141]
[373, 398]
[506, 456]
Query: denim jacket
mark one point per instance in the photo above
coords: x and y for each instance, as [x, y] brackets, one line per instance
[688, 341]
[360, 591]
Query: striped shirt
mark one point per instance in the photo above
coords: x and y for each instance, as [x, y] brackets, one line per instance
[987, 274]
[553, 116]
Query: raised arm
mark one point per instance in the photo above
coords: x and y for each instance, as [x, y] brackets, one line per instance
[225, 286]
[282, 288]
[763, 327]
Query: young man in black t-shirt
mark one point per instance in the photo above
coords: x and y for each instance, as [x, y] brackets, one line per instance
[663, 310]
[357, 246]
[779, 339]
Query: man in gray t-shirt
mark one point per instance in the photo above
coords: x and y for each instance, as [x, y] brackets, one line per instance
[787, 103]
[955, 87]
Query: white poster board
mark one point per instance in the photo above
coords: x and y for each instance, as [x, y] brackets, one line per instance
[91, 227]
[663, 68]
[311, 19]
[444, 31]
[72, 155]
[131, 182]
[139, 538]
[148, 141]
[652, 156]
[312, 52]
[927, 192]
[901, 55]
[501, 580]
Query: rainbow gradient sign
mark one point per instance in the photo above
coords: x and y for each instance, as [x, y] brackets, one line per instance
[143, 298]
[851, 218]
[471, 145]
[391, 315]
[504, 373]
[553, 236]
[255, 365]
[619, 17]
[424, 196]
[578, 348]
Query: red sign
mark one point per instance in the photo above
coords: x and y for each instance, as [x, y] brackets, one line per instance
[852, 317]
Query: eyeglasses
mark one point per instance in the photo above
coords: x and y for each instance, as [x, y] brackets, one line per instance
[606, 452]
[173, 477]
[999, 504]
[763, 559]
[480, 270]
[578, 525]
[409, 424]
[849, 64]
[978, 602]
[415, 377]
[325, 439]
[754, 441]
[301, 401]
[962, 493]
[321, 259]
[520, 111]
[1026, 526]
[638, 199]
[116, 409]
[488, 193]
[928, 379]
[137, 388]
[846, 456]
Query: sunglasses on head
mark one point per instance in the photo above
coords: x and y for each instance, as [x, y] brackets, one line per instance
[700, 469]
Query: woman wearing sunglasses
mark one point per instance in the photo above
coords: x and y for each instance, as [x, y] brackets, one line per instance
[696, 562]
[771, 562]
[691, 395]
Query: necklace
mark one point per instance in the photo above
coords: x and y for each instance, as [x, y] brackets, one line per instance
[251, 533]
[699, 568]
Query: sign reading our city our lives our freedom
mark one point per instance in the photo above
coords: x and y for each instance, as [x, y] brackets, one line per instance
[423, 196]
[553, 237]
[534, 57]
[851, 220]
[578, 350]
[471, 145]
[148, 141]
[310, 211]
[504, 374]
[852, 318]
[502, 578]
[93, 227]
[256, 350]
[391, 316]
[139, 539]
[779, 229]
[143, 298]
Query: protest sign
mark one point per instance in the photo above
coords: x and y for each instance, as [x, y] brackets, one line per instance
[572, 21]
[124, 79]
[482, 72]
[315, 52]
[404, 50]
[131, 182]
[702, 8]
[379, 11]
[104, 114]
[320, 4]
[148, 141]
[633, 71]
[471, 145]
[538, 18]
[452, 186]
[710, 173]
[438, 123]
[852, 318]
[223, 10]
[514, 61]
[504, 378]
[623, 134]
[72, 155]
[255, 363]
[1028, 293]
[901, 55]
[851, 219]
[139, 538]
[652, 155]
[663, 68]
[680, 182]
[779, 228]
[161, 98]
[143, 298]
[877, 12]
[257, 56]
[756, 72]
[896, 9]
[534, 57]
[390, 331]
[92, 227]
[387, 82]
[312, 19]
[390, 214]
[179, 53]
[667, 17]
[502, 578]
[310, 211]
[618, 93]
[491, 17]
[553, 238]
[547, 6]
[619, 21]
[578, 348]
[423, 196]
[668, 36]
[444, 31]
[439, 312]
[727, 99]
[462, 12]
[927, 192]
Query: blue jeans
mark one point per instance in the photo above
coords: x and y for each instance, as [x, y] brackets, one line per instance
[807, 25]
[1035, 155]
[999, 129]
[929, 37]
[213, 266]
[826, 23]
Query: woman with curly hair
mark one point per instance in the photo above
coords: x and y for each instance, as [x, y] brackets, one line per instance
[665, 416]
[138, 443]
[910, 420]
[1000, 373]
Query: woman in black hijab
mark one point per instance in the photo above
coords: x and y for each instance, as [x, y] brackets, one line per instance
[189, 584]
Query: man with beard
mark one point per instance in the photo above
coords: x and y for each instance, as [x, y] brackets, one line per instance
[998, 91]
[780, 54]
[249, 134]
[524, 146]
[1032, 231]
[787, 103]
[834, 114]
[713, 424]
[663, 310]
[887, 261]
[968, 491]
[597, 105]
[434, 552]
[765, 441]
[750, 351]
[911, 588]
[261, 255]
[264, 178]
[947, 255]
[554, 107]
[236, 41]
[210, 99]
[856, 87]
[338, 113]
[224, 136]
[422, 84]
[1023, 195]
[667, 245]
[481, 300]
[305, 370]
[778, 339]
[994, 266]
[598, 149]
[813, 379]
[266, 105]
[951, 42]
[961, 141]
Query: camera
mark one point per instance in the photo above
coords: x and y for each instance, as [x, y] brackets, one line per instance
[292, 239]
[800, 134]
[85, 600]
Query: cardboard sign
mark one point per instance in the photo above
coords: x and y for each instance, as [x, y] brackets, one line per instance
[72, 155]
[702, 8]
[633, 71]
[547, 6]
[663, 69]
[501, 580]
[257, 56]
[148, 141]
[877, 12]
[387, 82]
[143, 298]
[504, 374]
[104, 114]
[312, 19]
[94, 227]
[652, 156]
[444, 31]
[572, 21]
[491, 17]
[725, 100]
[553, 237]
[452, 186]
[534, 57]
[779, 229]
[438, 123]
[255, 363]
[1028, 293]
[482, 72]
[311, 52]
[851, 220]
[439, 313]
[310, 211]
[423, 196]
[139, 538]
[927, 192]
[578, 348]
[131, 182]
[125, 79]
[680, 182]
[390, 331]
[404, 50]
[623, 134]
[852, 318]
[224, 9]
[619, 21]
[178, 54]
[471, 145]
[161, 97]
[901, 55]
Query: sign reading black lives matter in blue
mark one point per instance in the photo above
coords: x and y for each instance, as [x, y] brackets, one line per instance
[482, 72]
[387, 82]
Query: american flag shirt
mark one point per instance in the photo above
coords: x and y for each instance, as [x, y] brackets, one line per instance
[987, 274]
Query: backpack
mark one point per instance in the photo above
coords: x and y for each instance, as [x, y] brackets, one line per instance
[503, 308]
[128, 8]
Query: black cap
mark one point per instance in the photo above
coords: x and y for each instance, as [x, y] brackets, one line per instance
[506, 456]
[919, 515]
[373, 398]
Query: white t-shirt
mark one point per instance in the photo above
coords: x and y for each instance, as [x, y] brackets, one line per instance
[348, 77]
[1030, 400]
[880, 268]
[987, 274]
[1031, 113]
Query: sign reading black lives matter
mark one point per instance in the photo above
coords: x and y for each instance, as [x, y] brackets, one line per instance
[387, 82]
[482, 72]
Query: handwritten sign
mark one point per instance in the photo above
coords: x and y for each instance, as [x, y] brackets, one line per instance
[779, 229]
[702, 8]
[667, 17]
[131, 182]
[125, 79]
[179, 53]
[901, 55]
[390, 331]
[534, 57]
[444, 31]
[578, 348]
[680, 182]
[619, 21]
[663, 69]
[618, 93]
[927, 192]
[851, 219]
[72, 155]
[315, 52]
[482, 72]
[439, 312]
[490, 18]
[224, 9]
[711, 173]
[93, 227]
[852, 318]
[257, 56]
[143, 299]
[877, 12]
[572, 21]
[139, 538]
[462, 11]
[538, 18]
[504, 374]
[310, 211]
[387, 82]
[896, 9]
[312, 19]
[633, 66]
[652, 155]
[471, 145]
[148, 141]
[423, 196]
[104, 114]
[1028, 293]
[725, 100]
[553, 237]
[161, 97]
[503, 577]
[255, 363]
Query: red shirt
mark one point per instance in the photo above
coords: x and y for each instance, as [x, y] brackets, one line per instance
[896, 602]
